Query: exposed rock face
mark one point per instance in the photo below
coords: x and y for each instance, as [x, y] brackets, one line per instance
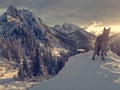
[81, 38]
[37, 49]
[115, 44]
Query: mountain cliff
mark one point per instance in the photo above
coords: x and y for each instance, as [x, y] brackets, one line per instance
[82, 39]
[115, 44]
[36, 48]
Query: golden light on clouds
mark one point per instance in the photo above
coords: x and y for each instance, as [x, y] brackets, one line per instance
[97, 27]
[98, 30]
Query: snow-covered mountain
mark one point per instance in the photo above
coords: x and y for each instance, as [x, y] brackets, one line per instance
[69, 28]
[82, 73]
[82, 39]
[37, 50]
[25, 40]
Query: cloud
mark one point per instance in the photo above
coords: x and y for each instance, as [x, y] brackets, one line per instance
[73, 11]
[92, 24]
[2, 11]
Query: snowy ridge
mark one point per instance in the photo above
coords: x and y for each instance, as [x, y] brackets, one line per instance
[79, 73]
[80, 37]
[82, 73]
[69, 28]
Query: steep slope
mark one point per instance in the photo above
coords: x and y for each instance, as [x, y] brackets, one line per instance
[82, 73]
[80, 37]
[115, 44]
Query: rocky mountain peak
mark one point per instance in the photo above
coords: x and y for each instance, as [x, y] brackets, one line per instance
[70, 28]
[11, 8]
[12, 11]
[69, 25]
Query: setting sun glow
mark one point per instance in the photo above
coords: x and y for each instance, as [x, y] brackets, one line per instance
[98, 30]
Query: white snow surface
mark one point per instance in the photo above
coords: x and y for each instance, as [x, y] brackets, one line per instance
[69, 28]
[82, 73]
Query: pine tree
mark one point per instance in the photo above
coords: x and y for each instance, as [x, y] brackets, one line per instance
[21, 73]
[36, 64]
[26, 69]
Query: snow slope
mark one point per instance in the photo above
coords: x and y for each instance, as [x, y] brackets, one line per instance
[82, 73]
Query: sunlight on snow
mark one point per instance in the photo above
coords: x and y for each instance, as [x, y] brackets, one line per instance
[113, 66]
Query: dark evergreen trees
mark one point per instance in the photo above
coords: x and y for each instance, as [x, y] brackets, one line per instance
[36, 64]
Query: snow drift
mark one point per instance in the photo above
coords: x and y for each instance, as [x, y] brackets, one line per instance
[82, 73]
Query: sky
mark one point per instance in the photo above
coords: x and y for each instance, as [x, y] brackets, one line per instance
[89, 14]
